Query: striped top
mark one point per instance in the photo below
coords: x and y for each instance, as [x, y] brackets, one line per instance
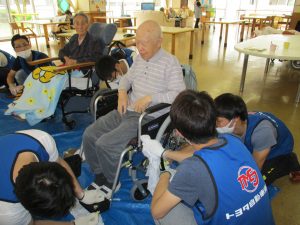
[160, 77]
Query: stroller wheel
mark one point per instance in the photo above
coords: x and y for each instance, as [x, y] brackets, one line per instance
[136, 193]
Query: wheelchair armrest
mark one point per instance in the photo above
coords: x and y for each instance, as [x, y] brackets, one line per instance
[156, 108]
[75, 66]
[42, 61]
[149, 110]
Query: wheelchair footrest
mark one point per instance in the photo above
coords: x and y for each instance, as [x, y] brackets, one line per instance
[100, 206]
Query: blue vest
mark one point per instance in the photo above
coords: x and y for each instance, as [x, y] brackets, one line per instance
[285, 141]
[241, 193]
[35, 56]
[10, 59]
[11, 146]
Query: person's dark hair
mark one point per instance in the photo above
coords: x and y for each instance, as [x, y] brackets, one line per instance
[105, 66]
[45, 189]
[198, 3]
[17, 37]
[68, 12]
[193, 114]
[230, 106]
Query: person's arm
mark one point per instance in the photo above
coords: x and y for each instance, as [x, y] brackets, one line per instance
[11, 78]
[65, 51]
[260, 156]
[49, 222]
[163, 200]
[179, 155]
[122, 101]
[77, 188]
[263, 138]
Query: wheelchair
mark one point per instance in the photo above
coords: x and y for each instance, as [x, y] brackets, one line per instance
[73, 99]
[159, 128]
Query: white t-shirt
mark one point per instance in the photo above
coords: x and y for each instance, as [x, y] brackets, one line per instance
[15, 213]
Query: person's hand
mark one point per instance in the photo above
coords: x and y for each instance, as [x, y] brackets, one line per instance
[122, 102]
[151, 147]
[169, 170]
[141, 104]
[14, 90]
[92, 196]
[90, 219]
[69, 61]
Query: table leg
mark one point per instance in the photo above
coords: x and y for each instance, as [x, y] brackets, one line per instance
[298, 94]
[260, 23]
[242, 32]
[226, 34]
[191, 45]
[173, 44]
[245, 64]
[62, 41]
[253, 25]
[267, 66]
[134, 22]
[221, 31]
[46, 35]
[203, 30]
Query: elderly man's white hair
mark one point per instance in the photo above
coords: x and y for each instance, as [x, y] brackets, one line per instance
[151, 27]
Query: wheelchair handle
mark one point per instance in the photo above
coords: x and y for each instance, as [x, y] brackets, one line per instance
[149, 110]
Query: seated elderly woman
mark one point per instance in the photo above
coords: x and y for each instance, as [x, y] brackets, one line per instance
[81, 47]
[43, 87]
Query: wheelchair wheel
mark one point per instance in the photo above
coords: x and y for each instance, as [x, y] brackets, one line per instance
[104, 106]
[143, 165]
[295, 64]
[137, 194]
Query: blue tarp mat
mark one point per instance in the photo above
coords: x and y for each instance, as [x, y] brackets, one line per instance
[123, 209]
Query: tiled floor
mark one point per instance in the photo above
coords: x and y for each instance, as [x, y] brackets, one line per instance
[219, 70]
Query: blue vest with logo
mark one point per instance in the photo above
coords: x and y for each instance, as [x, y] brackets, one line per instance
[10, 59]
[285, 140]
[11, 146]
[241, 193]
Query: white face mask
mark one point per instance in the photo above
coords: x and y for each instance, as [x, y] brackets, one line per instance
[226, 129]
[24, 54]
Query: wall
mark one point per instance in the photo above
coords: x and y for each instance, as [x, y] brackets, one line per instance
[91, 5]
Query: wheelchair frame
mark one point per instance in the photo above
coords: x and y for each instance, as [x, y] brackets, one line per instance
[139, 190]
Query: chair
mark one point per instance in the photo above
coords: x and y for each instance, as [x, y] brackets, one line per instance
[276, 22]
[28, 32]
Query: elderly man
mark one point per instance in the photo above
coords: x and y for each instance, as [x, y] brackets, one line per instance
[81, 47]
[33, 177]
[155, 77]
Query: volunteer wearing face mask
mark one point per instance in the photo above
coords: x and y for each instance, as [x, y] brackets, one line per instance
[21, 69]
[266, 137]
